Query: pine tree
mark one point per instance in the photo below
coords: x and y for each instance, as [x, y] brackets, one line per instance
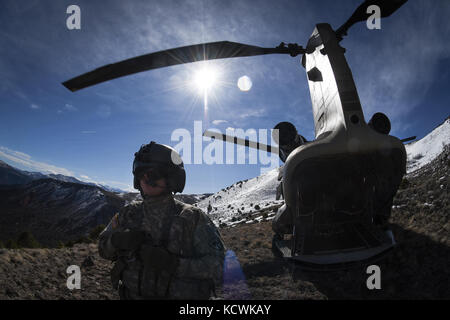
[11, 244]
[27, 240]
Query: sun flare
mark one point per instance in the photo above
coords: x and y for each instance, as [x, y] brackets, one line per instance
[205, 78]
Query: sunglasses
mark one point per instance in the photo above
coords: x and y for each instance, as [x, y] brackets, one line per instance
[150, 177]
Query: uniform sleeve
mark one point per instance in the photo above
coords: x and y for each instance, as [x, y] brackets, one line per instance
[105, 248]
[208, 253]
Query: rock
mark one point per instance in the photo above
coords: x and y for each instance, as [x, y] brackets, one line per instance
[37, 295]
[88, 262]
[10, 291]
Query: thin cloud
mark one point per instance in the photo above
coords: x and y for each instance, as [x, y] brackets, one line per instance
[28, 163]
[70, 107]
[217, 122]
[396, 79]
[67, 108]
[257, 113]
[16, 154]
[120, 185]
[87, 179]
[34, 106]
[104, 111]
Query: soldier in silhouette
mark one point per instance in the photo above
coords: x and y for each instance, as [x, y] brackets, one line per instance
[162, 248]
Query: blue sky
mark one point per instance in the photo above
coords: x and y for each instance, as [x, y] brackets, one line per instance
[401, 70]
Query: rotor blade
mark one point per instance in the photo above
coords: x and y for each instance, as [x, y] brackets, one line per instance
[165, 58]
[242, 142]
[408, 139]
[387, 7]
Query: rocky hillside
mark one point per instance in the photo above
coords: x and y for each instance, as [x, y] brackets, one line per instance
[10, 175]
[245, 201]
[54, 210]
[417, 268]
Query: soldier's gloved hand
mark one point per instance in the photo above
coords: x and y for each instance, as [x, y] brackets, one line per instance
[127, 240]
[159, 258]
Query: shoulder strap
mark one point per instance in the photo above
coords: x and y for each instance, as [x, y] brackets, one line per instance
[168, 222]
[166, 232]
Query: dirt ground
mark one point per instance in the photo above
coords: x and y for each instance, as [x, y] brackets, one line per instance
[416, 269]
[42, 273]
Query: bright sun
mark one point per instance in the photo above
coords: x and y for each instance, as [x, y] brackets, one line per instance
[205, 78]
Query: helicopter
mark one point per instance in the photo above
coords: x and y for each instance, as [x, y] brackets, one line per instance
[338, 189]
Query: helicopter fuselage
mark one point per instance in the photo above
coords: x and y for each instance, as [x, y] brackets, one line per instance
[338, 189]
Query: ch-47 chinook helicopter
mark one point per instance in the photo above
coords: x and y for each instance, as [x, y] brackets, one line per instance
[338, 189]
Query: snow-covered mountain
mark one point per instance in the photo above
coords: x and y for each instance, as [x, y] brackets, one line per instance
[11, 176]
[245, 201]
[253, 200]
[64, 178]
[428, 148]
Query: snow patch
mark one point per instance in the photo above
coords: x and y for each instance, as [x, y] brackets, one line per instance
[421, 152]
[243, 200]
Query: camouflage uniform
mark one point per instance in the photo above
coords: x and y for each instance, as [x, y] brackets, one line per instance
[185, 232]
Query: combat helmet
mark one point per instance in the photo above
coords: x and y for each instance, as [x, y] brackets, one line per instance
[162, 158]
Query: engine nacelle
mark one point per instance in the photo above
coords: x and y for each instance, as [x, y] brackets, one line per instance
[380, 123]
